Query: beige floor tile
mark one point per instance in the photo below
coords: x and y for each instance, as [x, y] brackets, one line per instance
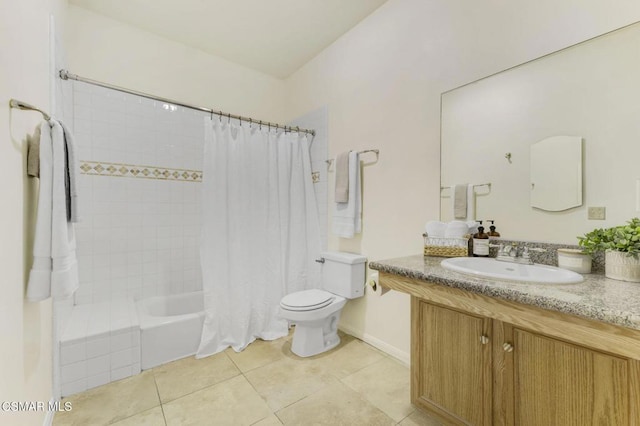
[336, 405]
[188, 375]
[153, 417]
[112, 402]
[418, 418]
[272, 420]
[287, 381]
[232, 402]
[257, 354]
[386, 384]
[348, 357]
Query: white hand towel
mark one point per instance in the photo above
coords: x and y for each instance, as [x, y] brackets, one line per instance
[39, 286]
[471, 203]
[55, 267]
[342, 178]
[460, 201]
[435, 228]
[464, 202]
[347, 217]
[73, 167]
[456, 229]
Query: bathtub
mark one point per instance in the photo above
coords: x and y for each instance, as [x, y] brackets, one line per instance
[170, 327]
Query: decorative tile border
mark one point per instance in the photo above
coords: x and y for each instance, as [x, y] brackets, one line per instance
[101, 168]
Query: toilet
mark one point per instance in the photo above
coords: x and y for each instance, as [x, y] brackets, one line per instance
[316, 312]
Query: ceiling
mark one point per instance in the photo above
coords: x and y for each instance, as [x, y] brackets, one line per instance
[275, 37]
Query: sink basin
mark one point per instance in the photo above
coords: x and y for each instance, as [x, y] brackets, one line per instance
[490, 268]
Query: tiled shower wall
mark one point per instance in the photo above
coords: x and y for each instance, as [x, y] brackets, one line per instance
[141, 164]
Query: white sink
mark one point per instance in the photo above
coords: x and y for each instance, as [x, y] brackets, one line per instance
[498, 270]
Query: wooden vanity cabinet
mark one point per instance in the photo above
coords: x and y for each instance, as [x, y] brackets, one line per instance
[450, 366]
[551, 382]
[476, 360]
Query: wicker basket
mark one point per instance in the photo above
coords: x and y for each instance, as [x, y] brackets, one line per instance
[446, 247]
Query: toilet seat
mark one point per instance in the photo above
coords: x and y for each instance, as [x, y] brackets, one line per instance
[307, 300]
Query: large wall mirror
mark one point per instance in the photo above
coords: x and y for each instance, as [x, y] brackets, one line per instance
[589, 92]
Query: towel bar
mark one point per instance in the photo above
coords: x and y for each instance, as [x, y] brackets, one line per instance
[375, 151]
[14, 103]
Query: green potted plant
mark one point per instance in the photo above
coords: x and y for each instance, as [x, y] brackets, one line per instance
[621, 245]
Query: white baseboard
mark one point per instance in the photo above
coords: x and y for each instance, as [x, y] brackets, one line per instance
[48, 419]
[398, 354]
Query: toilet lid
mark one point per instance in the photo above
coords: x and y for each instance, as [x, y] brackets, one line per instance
[307, 300]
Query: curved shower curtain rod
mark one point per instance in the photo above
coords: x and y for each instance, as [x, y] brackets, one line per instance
[66, 75]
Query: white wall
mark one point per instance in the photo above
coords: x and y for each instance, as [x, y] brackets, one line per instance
[107, 50]
[382, 83]
[26, 328]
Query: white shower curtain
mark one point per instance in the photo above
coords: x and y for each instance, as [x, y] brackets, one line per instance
[260, 231]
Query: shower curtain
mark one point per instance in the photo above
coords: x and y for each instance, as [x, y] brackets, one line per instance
[260, 231]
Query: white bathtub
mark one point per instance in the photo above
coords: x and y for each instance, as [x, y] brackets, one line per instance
[170, 327]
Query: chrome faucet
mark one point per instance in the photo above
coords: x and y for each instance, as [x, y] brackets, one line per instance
[512, 253]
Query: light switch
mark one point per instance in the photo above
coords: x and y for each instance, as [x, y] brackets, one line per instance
[597, 213]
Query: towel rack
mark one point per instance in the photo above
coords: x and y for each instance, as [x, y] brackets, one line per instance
[14, 103]
[375, 151]
[477, 185]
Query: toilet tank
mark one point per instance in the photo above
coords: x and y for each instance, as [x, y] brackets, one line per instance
[343, 273]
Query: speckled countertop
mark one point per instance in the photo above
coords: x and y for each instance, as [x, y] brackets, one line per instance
[599, 298]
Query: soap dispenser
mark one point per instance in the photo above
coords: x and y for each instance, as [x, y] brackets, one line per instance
[481, 243]
[492, 229]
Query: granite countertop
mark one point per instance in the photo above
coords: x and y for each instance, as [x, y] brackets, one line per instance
[599, 298]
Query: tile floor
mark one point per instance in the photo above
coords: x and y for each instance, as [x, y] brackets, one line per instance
[354, 384]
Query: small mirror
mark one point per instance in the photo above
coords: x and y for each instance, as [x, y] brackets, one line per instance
[556, 173]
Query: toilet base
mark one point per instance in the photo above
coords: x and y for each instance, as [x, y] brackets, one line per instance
[315, 337]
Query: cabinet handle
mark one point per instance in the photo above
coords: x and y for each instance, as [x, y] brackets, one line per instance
[484, 339]
[508, 347]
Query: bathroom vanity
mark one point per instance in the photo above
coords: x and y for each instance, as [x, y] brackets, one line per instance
[489, 352]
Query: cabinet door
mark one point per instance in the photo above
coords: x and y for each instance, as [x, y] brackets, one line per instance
[451, 364]
[558, 383]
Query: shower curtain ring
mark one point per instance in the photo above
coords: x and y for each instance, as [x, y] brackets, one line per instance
[229, 118]
[260, 124]
[250, 122]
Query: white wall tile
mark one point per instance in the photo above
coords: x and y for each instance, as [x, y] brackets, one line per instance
[71, 388]
[97, 346]
[121, 373]
[70, 354]
[98, 365]
[98, 380]
[74, 372]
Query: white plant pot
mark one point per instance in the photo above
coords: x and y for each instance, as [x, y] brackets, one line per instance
[619, 266]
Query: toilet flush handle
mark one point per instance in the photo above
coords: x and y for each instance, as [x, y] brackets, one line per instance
[321, 260]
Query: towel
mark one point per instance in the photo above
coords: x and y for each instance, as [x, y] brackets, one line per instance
[471, 203]
[347, 220]
[342, 177]
[55, 269]
[72, 175]
[71, 165]
[464, 202]
[33, 153]
[460, 201]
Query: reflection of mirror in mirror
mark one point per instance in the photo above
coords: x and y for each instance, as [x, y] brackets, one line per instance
[556, 173]
[592, 90]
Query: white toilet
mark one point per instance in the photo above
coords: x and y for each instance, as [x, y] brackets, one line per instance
[316, 313]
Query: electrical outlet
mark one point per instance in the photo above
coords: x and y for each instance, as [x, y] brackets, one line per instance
[597, 213]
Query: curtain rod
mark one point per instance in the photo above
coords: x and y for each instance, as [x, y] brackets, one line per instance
[66, 75]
